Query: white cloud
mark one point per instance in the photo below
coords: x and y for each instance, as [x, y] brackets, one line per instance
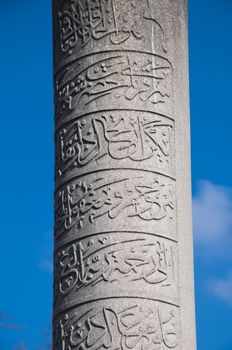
[212, 215]
[212, 224]
[222, 288]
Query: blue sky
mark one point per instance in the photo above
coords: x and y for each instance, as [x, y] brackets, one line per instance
[27, 172]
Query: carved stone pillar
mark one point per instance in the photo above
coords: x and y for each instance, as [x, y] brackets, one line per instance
[123, 242]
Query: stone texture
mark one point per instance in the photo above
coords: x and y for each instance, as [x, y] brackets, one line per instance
[123, 276]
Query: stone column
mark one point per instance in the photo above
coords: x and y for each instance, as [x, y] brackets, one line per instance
[123, 240]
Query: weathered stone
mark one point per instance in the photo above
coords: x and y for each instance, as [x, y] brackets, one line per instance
[123, 275]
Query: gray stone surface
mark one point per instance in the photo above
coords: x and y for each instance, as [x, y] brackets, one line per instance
[123, 275]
